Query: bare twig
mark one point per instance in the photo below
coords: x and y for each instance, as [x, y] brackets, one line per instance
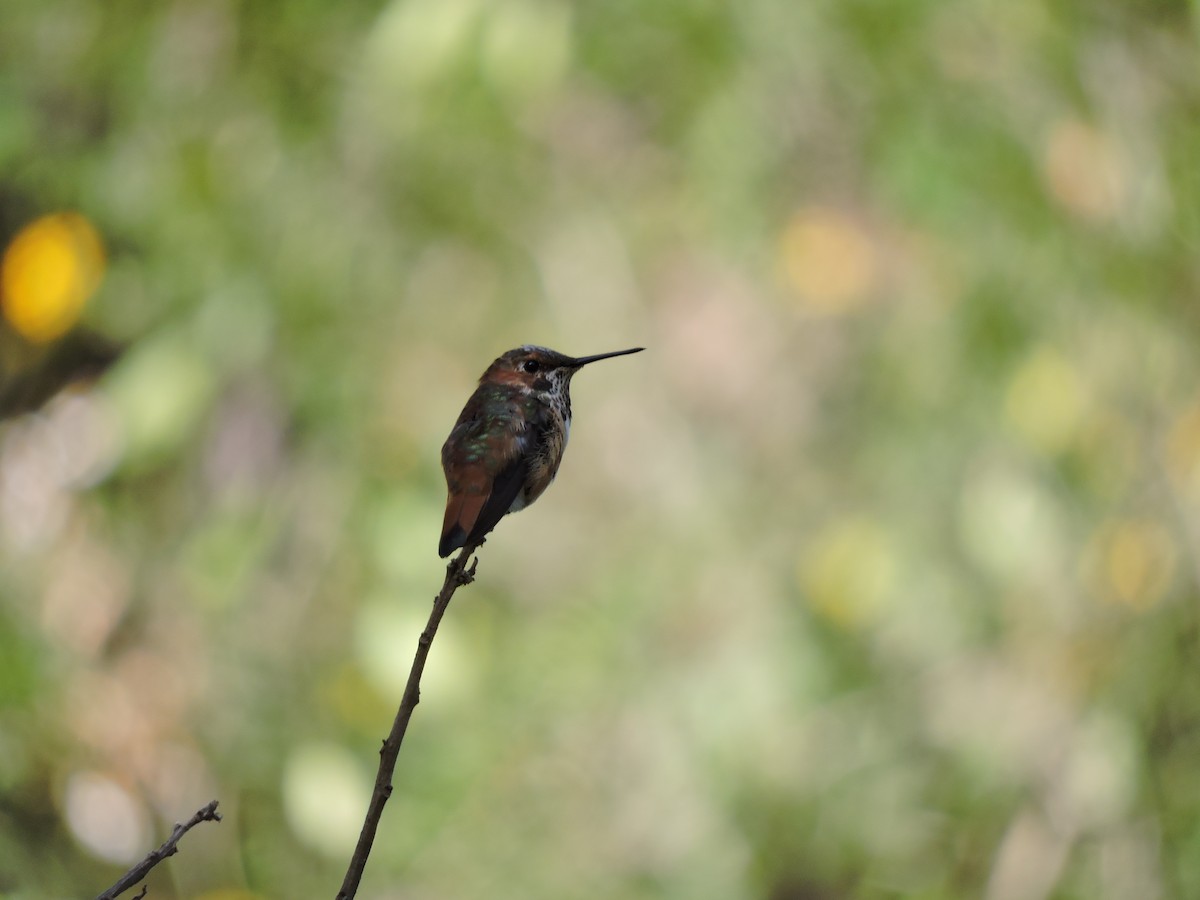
[457, 575]
[154, 857]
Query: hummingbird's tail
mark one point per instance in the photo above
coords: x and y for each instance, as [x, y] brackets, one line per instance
[453, 534]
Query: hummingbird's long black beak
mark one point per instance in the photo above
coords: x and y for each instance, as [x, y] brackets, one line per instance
[584, 360]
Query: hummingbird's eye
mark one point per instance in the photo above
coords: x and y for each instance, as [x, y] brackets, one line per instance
[530, 365]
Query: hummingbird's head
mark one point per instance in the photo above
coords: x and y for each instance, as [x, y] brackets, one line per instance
[541, 370]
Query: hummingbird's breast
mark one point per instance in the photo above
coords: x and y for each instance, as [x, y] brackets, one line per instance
[547, 441]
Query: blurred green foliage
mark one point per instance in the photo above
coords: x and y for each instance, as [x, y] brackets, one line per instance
[876, 577]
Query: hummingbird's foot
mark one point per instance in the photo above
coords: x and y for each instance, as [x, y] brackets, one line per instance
[458, 568]
[469, 574]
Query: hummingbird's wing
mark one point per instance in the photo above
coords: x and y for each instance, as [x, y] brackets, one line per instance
[473, 510]
[505, 487]
[485, 469]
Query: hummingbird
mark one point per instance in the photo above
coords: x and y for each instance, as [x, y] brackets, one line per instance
[507, 444]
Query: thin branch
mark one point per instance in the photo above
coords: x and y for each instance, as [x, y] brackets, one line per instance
[154, 857]
[457, 575]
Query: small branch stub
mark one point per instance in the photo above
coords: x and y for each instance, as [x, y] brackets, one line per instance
[169, 848]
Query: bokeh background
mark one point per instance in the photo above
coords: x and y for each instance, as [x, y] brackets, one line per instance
[876, 576]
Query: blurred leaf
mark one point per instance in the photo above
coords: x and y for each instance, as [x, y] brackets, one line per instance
[160, 392]
[18, 666]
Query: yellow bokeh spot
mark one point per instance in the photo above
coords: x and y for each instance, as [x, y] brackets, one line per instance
[848, 570]
[1083, 171]
[48, 273]
[1136, 562]
[1183, 450]
[828, 261]
[325, 790]
[352, 697]
[1045, 401]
